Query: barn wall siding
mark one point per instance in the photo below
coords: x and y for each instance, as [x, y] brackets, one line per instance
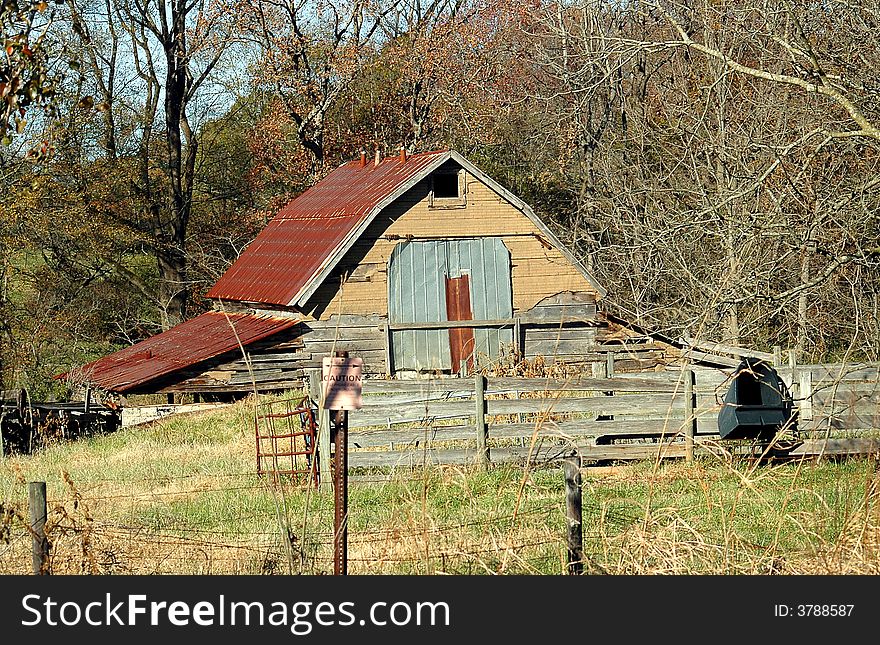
[283, 362]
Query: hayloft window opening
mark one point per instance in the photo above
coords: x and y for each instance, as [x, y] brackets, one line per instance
[447, 190]
[448, 280]
[446, 186]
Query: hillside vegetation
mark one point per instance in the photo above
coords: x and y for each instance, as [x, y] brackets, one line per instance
[182, 496]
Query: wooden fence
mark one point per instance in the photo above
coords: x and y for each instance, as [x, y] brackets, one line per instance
[628, 416]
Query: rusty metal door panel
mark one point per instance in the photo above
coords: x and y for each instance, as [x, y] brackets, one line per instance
[458, 307]
[417, 276]
[487, 261]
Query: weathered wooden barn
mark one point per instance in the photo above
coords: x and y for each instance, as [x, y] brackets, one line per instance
[419, 264]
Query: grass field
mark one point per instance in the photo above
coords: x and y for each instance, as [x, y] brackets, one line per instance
[182, 496]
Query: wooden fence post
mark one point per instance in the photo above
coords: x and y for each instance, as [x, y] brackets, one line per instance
[519, 352]
[389, 350]
[37, 508]
[690, 414]
[777, 356]
[609, 364]
[482, 433]
[325, 479]
[805, 394]
[573, 513]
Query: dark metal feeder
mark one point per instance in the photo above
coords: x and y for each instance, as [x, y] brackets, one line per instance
[757, 404]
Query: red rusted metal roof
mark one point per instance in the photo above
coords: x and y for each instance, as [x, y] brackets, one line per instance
[186, 344]
[304, 235]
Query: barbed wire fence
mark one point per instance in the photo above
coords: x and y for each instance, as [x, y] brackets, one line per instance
[233, 528]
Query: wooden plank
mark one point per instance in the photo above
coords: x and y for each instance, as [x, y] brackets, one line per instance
[578, 428]
[696, 356]
[453, 324]
[286, 358]
[855, 420]
[511, 454]
[588, 428]
[360, 347]
[410, 413]
[584, 347]
[654, 382]
[588, 452]
[184, 388]
[831, 373]
[378, 402]
[857, 406]
[584, 333]
[557, 313]
[621, 383]
[411, 437]
[632, 404]
[843, 446]
[416, 386]
[569, 297]
[805, 393]
[712, 347]
[258, 373]
[348, 333]
[845, 395]
[347, 320]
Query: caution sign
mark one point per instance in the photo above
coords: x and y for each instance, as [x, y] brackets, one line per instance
[342, 383]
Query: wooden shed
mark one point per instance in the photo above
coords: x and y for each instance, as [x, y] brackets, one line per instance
[419, 264]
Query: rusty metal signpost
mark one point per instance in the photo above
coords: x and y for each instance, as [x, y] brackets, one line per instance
[341, 381]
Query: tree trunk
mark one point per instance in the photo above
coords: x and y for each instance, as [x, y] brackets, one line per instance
[174, 289]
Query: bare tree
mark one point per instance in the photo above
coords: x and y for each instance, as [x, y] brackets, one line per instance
[310, 53]
[721, 156]
[149, 61]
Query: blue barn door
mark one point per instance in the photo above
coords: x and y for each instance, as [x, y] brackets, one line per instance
[418, 275]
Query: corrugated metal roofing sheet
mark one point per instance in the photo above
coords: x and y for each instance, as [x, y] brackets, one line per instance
[293, 248]
[186, 344]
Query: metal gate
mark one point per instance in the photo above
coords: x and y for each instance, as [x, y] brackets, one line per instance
[286, 438]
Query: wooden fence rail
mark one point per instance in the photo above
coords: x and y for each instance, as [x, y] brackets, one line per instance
[628, 416]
